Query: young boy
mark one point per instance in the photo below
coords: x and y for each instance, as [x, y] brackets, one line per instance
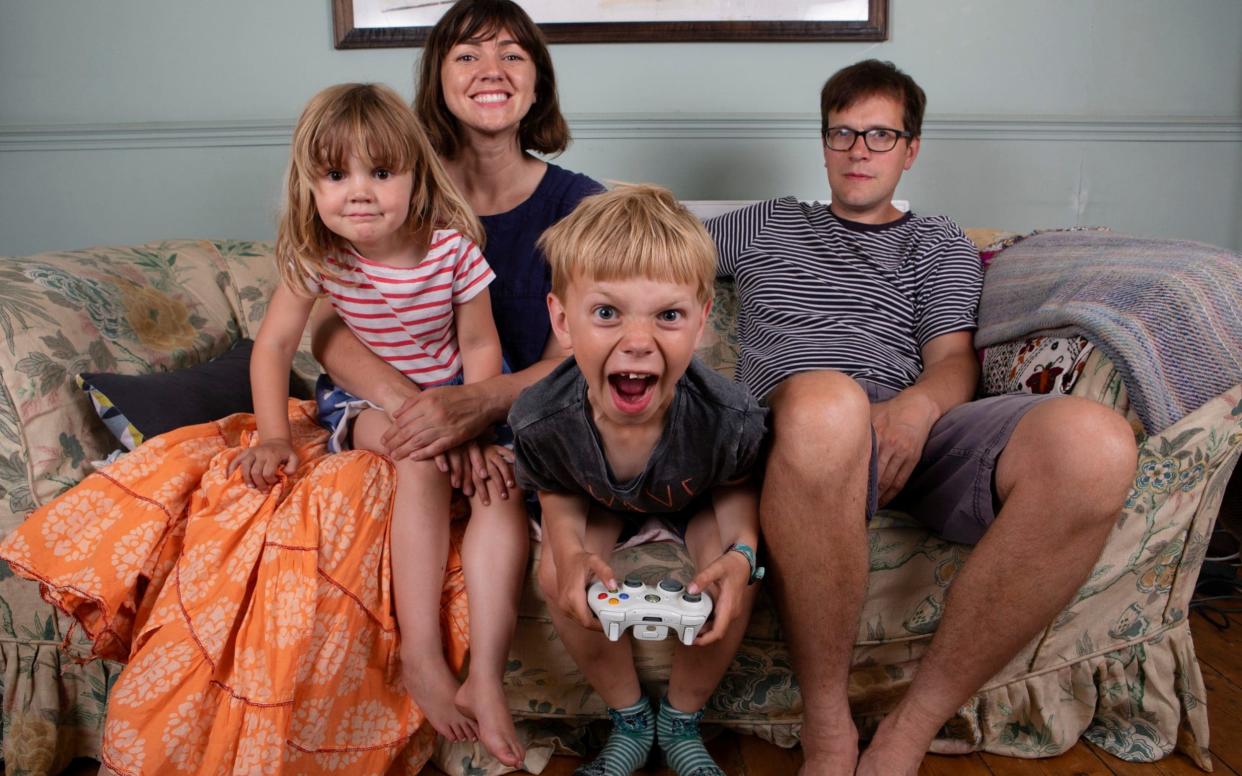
[631, 426]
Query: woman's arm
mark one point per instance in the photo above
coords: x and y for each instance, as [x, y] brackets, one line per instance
[353, 366]
[435, 421]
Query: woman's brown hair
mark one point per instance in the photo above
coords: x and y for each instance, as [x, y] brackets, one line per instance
[543, 128]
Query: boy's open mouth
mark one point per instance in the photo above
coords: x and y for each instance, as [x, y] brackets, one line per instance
[632, 391]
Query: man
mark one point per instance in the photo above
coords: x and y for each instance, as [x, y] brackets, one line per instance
[856, 328]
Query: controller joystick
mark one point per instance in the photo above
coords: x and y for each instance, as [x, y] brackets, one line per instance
[649, 611]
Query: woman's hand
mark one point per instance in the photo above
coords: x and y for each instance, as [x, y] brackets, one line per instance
[433, 422]
[259, 464]
[725, 580]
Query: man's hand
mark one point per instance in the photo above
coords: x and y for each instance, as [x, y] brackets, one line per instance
[902, 425]
[572, 578]
[259, 464]
[433, 422]
[725, 580]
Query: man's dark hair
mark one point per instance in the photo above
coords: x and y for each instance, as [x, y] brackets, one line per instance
[871, 78]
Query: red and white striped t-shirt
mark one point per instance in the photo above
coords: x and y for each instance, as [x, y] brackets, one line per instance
[405, 314]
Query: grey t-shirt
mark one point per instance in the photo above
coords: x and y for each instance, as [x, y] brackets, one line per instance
[713, 435]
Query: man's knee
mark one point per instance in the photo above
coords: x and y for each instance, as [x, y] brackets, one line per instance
[1074, 445]
[820, 409]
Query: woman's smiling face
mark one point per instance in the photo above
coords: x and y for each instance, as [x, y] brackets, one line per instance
[489, 84]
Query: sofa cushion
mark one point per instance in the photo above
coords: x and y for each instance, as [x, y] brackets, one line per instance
[1039, 364]
[126, 309]
[138, 407]
[251, 277]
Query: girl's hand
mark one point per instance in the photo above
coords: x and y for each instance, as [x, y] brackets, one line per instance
[572, 579]
[492, 468]
[725, 580]
[259, 464]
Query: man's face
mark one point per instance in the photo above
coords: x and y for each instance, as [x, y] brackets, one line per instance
[633, 340]
[862, 180]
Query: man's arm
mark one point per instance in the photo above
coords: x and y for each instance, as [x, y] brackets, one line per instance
[903, 423]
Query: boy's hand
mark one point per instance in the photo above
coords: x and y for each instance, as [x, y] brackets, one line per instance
[725, 581]
[573, 578]
[492, 470]
[259, 464]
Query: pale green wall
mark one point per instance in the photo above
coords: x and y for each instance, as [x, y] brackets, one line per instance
[139, 120]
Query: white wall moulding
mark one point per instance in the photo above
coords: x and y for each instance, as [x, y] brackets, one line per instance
[85, 137]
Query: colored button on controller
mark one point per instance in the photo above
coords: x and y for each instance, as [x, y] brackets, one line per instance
[613, 601]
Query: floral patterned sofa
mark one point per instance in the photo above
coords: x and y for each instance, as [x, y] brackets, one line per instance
[1118, 665]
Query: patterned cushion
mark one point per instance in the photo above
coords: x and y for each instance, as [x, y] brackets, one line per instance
[1040, 364]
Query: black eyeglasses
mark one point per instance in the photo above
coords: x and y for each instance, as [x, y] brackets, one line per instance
[877, 139]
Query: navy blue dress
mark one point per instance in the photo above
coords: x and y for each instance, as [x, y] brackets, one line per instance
[520, 291]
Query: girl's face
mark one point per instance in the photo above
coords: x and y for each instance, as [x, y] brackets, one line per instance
[489, 85]
[368, 206]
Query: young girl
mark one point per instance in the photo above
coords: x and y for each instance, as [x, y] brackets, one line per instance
[374, 223]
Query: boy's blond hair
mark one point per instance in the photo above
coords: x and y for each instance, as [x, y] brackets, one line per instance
[634, 230]
[372, 121]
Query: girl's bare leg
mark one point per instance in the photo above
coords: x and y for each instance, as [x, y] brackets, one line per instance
[420, 543]
[494, 560]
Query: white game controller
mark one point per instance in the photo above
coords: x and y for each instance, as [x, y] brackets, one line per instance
[650, 610]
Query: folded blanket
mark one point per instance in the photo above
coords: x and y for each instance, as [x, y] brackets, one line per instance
[1168, 314]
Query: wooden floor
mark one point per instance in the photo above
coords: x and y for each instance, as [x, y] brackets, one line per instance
[1220, 655]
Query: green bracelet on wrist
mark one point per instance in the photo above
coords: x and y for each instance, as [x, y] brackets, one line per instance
[748, 552]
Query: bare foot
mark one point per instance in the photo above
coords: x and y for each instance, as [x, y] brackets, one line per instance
[485, 702]
[893, 751]
[829, 755]
[889, 761]
[433, 689]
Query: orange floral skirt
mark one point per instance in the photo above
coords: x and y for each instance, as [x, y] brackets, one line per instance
[258, 628]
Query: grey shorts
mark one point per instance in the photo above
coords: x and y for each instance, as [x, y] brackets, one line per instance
[952, 490]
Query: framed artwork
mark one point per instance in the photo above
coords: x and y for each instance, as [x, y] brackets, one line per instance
[387, 23]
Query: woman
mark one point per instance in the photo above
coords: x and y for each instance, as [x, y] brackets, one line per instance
[257, 626]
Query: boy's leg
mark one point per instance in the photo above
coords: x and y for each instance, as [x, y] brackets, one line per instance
[607, 665]
[494, 561]
[697, 670]
[420, 542]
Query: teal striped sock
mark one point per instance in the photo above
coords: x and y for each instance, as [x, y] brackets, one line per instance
[679, 737]
[628, 744]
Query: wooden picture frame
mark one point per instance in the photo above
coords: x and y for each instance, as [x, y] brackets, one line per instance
[349, 35]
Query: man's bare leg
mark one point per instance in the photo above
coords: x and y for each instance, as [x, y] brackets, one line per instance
[812, 512]
[1024, 571]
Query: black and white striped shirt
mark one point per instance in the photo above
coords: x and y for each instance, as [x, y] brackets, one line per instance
[819, 292]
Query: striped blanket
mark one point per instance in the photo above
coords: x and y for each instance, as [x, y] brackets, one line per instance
[1168, 314]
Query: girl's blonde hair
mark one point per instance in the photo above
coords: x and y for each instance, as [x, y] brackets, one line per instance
[372, 121]
[632, 231]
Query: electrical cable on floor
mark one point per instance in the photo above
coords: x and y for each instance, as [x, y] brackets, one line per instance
[1218, 580]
